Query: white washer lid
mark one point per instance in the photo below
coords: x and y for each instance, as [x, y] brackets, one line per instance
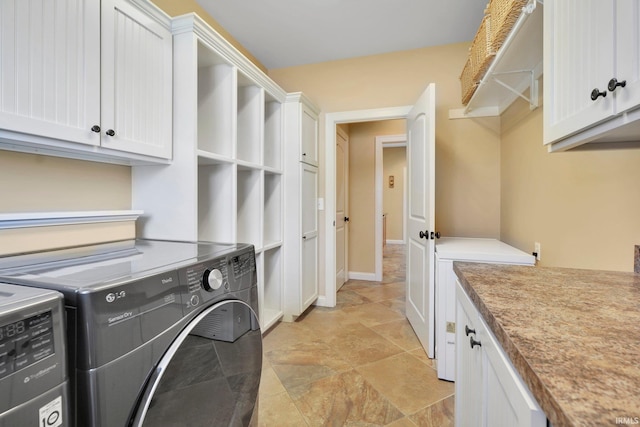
[481, 250]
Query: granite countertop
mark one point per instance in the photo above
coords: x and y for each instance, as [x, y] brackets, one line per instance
[573, 335]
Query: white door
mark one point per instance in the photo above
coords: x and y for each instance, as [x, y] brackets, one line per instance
[420, 292]
[342, 221]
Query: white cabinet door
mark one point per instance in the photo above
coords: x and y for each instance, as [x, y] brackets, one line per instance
[578, 59]
[489, 391]
[508, 402]
[468, 385]
[309, 232]
[136, 81]
[309, 144]
[628, 55]
[50, 68]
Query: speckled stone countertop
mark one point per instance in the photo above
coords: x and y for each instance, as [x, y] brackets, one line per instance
[573, 335]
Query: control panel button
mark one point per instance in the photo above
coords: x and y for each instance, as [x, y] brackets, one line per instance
[212, 279]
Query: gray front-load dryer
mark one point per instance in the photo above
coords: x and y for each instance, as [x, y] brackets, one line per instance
[33, 374]
[160, 333]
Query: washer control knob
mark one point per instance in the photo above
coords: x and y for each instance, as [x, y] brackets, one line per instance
[212, 279]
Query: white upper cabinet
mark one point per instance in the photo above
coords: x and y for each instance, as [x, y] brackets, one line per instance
[589, 47]
[136, 81]
[50, 68]
[86, 79]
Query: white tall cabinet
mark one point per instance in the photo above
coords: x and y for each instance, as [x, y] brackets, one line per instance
[301, 204]
[591, 71]
[225, 183]
[86, 77]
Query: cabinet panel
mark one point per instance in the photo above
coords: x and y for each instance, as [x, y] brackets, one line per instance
[578, 58]
[309, 285]
[309, 131]
[468, 385]
[489, 391]
[628, 54]
[309, 197]
[50, 68]
[136, 81]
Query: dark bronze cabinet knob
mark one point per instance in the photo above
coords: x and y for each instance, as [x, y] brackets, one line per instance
[614, 83]
[595, 94]
[474, 342]
[95, 128]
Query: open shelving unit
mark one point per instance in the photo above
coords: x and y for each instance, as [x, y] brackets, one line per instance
[516, 67]
[225, 181]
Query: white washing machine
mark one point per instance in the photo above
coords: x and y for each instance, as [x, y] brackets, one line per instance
[159, 333]
[33, 373]
[448, 250]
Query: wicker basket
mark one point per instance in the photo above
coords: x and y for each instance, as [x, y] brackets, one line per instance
[467, 82]
[504, 14]
[481, 52]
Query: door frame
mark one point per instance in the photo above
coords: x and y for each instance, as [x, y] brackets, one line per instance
[382, 142]
[331, 120]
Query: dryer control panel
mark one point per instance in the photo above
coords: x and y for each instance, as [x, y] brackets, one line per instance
[214, 278]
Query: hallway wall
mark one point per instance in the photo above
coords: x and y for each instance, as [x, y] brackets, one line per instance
[394, 161]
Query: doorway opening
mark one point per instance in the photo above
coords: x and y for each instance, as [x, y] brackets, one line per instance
[389, 212]
[331, 121]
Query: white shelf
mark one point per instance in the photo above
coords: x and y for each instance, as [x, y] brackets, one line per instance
[225, 181]
[45, 219]
[516, 68]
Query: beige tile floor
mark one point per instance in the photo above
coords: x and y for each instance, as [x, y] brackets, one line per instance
[358, 364]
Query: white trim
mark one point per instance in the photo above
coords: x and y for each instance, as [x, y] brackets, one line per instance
[395, 242]
[384, 141]
[356, 275]
[331, 119]
[45, 219]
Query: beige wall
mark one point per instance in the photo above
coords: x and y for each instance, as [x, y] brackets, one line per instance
[467, 151]
[394, 162]
[582, 206]
[362, 166]
[34, 183]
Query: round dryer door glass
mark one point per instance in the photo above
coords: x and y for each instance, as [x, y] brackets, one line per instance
[211, 373]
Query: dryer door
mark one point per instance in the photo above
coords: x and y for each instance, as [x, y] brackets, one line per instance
[211, 373]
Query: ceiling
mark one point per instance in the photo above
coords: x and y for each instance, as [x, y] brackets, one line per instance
[285, 33]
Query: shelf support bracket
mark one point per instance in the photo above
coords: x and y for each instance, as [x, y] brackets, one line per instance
[533, 87]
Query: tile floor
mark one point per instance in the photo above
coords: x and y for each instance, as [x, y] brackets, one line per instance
[358, 364]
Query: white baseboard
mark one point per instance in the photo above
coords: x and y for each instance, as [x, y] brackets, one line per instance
[322, 302]
[362, 276]
[395, 242]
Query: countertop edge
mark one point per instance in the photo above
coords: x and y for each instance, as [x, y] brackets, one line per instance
[547, 402]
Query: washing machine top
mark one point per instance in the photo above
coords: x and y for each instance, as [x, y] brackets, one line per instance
[96, 267]
[126, 294]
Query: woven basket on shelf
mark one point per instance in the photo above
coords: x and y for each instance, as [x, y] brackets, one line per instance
[504, 14]
[467, 82]
[481, 52]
